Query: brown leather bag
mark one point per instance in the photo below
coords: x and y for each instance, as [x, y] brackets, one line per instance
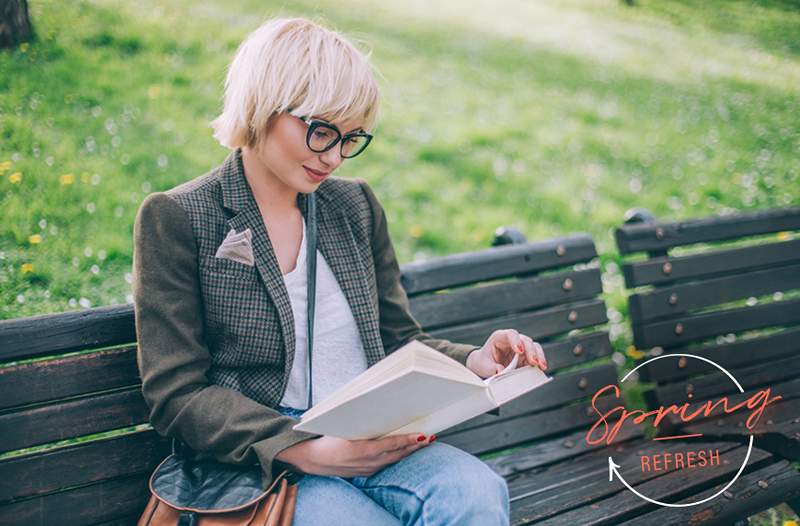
[190, 492]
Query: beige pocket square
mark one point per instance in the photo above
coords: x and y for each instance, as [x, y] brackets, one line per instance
[237, 247]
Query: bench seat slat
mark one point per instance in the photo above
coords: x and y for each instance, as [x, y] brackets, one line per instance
[618, 504]
[593, 499]
[511, 432]
[711, 264]
[109, 501]
[747, 494]
[488, 301]
[555, 450]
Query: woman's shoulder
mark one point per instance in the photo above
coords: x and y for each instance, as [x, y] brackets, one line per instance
[196, 197]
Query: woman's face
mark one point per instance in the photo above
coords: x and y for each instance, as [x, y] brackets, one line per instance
[285, 154]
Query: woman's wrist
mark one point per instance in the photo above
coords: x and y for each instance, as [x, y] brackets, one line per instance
[297, 455]
[471, 356]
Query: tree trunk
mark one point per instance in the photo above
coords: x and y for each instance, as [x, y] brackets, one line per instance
[15, 26]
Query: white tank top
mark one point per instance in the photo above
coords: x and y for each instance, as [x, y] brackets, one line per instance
[338, 355]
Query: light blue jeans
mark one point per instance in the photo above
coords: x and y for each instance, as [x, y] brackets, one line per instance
[436, 485]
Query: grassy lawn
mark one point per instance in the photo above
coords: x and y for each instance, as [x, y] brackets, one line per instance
[554, 117]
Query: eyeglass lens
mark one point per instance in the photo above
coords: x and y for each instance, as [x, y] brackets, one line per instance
[323, 137]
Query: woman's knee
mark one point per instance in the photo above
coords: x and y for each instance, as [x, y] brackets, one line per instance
[333, 501]
[480, 495]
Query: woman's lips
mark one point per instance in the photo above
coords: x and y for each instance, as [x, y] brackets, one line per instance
[316, 175]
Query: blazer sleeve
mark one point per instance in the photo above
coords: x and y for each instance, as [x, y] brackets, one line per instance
[173, 356]
[397, 325]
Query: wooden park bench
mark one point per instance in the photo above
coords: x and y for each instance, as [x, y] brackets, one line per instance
[89, 384]
[723, 288]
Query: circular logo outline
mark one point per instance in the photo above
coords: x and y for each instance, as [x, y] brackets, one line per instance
[612, 465]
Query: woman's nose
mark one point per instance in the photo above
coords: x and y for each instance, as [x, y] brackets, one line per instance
[332, 158]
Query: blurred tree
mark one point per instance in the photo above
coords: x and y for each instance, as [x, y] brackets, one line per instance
[15, 25]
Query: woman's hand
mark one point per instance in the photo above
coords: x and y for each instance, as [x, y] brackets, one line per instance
[499, 350]
[334, 456]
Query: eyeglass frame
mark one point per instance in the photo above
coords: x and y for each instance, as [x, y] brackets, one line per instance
[316, 123]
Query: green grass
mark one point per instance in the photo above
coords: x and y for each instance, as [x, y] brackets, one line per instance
[554, 117]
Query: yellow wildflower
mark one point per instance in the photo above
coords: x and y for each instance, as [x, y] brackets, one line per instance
[415, 230]
[26, 267]
[67, 179]
[15, 177]
[5, 165]
[24, 47]
[790, 523]
[634, 353]
[34, 239]
[783, 236]
[153, 91]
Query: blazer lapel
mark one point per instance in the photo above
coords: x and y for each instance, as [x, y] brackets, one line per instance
[338, 247]
[335, 242]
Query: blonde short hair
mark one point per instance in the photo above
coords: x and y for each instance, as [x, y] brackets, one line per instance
[294, 63]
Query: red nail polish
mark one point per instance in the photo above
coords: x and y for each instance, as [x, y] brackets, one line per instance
[420, 438]
[433, 438]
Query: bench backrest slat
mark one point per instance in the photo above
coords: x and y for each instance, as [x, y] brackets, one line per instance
[74, 375]
[50, 334]
[718, 263]
[687, 297]
[479, 303]
[681, 330]
[73, 418]
[729, 355]
[509, 260]
[118, 456]
[639, 237]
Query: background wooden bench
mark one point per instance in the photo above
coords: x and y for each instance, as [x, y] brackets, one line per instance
[720, 301]
[548, 290]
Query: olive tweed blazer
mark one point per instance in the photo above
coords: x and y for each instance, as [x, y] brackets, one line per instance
[216, 337]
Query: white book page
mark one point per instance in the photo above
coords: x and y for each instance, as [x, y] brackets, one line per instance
[390, 405]
[447, 417]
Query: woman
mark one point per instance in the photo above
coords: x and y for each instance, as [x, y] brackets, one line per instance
[220, 296]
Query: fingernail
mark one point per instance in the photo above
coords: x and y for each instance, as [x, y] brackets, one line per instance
[420, 438]
[432, 439]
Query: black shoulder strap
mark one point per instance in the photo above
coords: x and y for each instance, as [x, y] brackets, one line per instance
[311, 264]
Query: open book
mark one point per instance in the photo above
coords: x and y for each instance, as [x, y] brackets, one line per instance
[416, 389]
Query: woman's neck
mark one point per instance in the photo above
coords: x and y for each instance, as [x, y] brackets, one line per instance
[268, 190]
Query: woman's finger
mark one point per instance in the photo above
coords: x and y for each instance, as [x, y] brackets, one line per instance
[535, 352]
